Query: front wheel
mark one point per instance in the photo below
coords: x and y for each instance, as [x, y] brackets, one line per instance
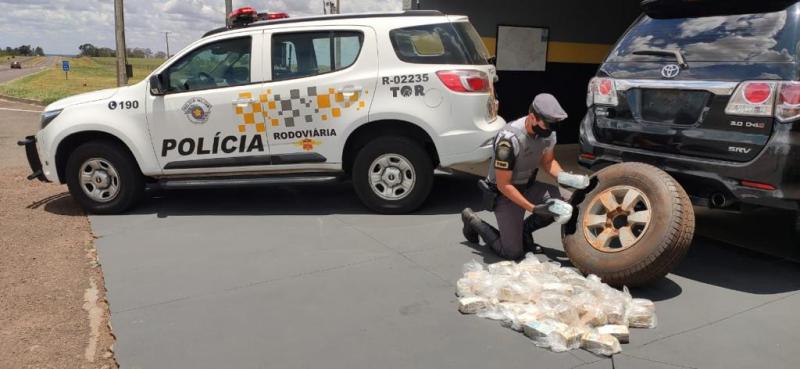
[104, 178]
[393, 175]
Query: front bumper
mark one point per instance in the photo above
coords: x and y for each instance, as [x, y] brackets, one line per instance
[33, 158]
[777, 165]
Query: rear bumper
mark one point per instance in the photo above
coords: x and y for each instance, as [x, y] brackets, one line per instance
[33, 158]
[778, 165]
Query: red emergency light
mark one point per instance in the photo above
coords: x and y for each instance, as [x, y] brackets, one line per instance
[243, 16]
[272, 16]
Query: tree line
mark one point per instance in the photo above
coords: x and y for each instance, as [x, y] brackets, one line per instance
[137, 52]
[24, 50]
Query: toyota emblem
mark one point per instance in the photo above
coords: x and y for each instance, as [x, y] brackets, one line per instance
[670, 70]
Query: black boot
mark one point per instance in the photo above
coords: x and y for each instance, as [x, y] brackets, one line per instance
[469, 233]
[533, 223]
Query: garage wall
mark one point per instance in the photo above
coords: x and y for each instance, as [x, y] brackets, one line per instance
[581, 34]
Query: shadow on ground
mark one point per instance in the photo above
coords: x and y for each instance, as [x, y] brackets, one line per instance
[450, 194]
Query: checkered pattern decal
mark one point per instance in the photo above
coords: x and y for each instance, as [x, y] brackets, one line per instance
[294, 110]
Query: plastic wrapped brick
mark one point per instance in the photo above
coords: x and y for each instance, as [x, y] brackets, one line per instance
[590, 313]
[600, 344]
[642, 314]
[472, 266]
[614, 310]
[552, 334]
[502, 268]
[620, 332]
[473, 283]
[472, 305]
[560, 288]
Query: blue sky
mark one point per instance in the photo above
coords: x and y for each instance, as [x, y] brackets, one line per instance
[59, 26]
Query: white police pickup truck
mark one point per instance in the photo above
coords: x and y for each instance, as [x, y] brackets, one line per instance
[383, 99]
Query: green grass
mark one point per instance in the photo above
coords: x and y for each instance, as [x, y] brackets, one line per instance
[86, 74]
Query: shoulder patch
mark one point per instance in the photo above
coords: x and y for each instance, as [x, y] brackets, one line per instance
[504, 156]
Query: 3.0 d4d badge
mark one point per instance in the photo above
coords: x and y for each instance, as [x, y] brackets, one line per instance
[197, 110]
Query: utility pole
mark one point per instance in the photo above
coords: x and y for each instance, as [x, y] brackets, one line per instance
[228, 11]
[119, 25]
[166, 38]
[338, 9]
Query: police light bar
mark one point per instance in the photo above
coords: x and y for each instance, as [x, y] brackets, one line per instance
[272, 16]
[242, 17]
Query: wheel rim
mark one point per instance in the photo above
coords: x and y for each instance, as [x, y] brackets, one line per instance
[392, 177]
[617, 219]
[99, 180]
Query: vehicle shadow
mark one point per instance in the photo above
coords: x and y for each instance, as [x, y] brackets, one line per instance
[450, 194]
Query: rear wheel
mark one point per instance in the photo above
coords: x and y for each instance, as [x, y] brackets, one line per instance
[633, 227]
[393, 175]
[104, 178]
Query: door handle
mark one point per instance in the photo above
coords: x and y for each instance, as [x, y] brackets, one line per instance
[349, 90]
[244, 102]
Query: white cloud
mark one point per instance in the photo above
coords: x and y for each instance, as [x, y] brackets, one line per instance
[59, 26]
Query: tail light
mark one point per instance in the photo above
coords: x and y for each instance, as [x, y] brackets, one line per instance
[465, 80]
[787, 107]
[602, 91]
[753, 98]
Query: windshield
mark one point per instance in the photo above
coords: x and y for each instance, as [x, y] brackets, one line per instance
[765, 37]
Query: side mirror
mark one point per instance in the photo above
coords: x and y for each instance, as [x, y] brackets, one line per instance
[156, 86]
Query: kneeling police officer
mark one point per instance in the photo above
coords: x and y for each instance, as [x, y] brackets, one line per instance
[511, 189]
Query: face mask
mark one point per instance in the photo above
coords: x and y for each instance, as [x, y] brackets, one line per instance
[541, 132]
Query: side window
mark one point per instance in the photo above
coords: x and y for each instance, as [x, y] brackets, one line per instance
[305, 54]
[219, 64]
[445, 43]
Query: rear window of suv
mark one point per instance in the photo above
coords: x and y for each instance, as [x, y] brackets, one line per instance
[764, 37]
[444, 43]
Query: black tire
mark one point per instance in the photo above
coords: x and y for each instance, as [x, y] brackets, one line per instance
[130, 179]
[659, 247]
[418, 159]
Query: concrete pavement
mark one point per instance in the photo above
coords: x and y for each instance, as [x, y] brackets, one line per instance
[304, 276]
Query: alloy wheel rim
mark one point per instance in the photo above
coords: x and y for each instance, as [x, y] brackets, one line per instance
[99, 180]
[617, 219]
[392, 177]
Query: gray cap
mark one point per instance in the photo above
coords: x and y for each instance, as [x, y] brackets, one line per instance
[548, 108]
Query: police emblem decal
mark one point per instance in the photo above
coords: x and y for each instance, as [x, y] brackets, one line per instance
[197, 110]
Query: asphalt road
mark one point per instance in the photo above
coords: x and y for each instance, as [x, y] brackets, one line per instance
[305, 276]
[8, 74]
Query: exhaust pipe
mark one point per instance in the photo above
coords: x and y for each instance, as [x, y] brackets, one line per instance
[718, 200]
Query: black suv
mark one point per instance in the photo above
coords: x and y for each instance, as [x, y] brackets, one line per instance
[708, 91]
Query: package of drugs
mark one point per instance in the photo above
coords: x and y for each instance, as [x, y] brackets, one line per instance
[620, 332]
[561, 288]
[502, 268]
[552, 334]
[473, 283]
[472, 305]
[600, 344]
[642, 314]
[472, 266]
[614, 311]
[555, 306]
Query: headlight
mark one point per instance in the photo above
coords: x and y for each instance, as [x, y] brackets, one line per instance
[48, 117]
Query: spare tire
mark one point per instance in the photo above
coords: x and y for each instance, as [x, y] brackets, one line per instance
[631, 227]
